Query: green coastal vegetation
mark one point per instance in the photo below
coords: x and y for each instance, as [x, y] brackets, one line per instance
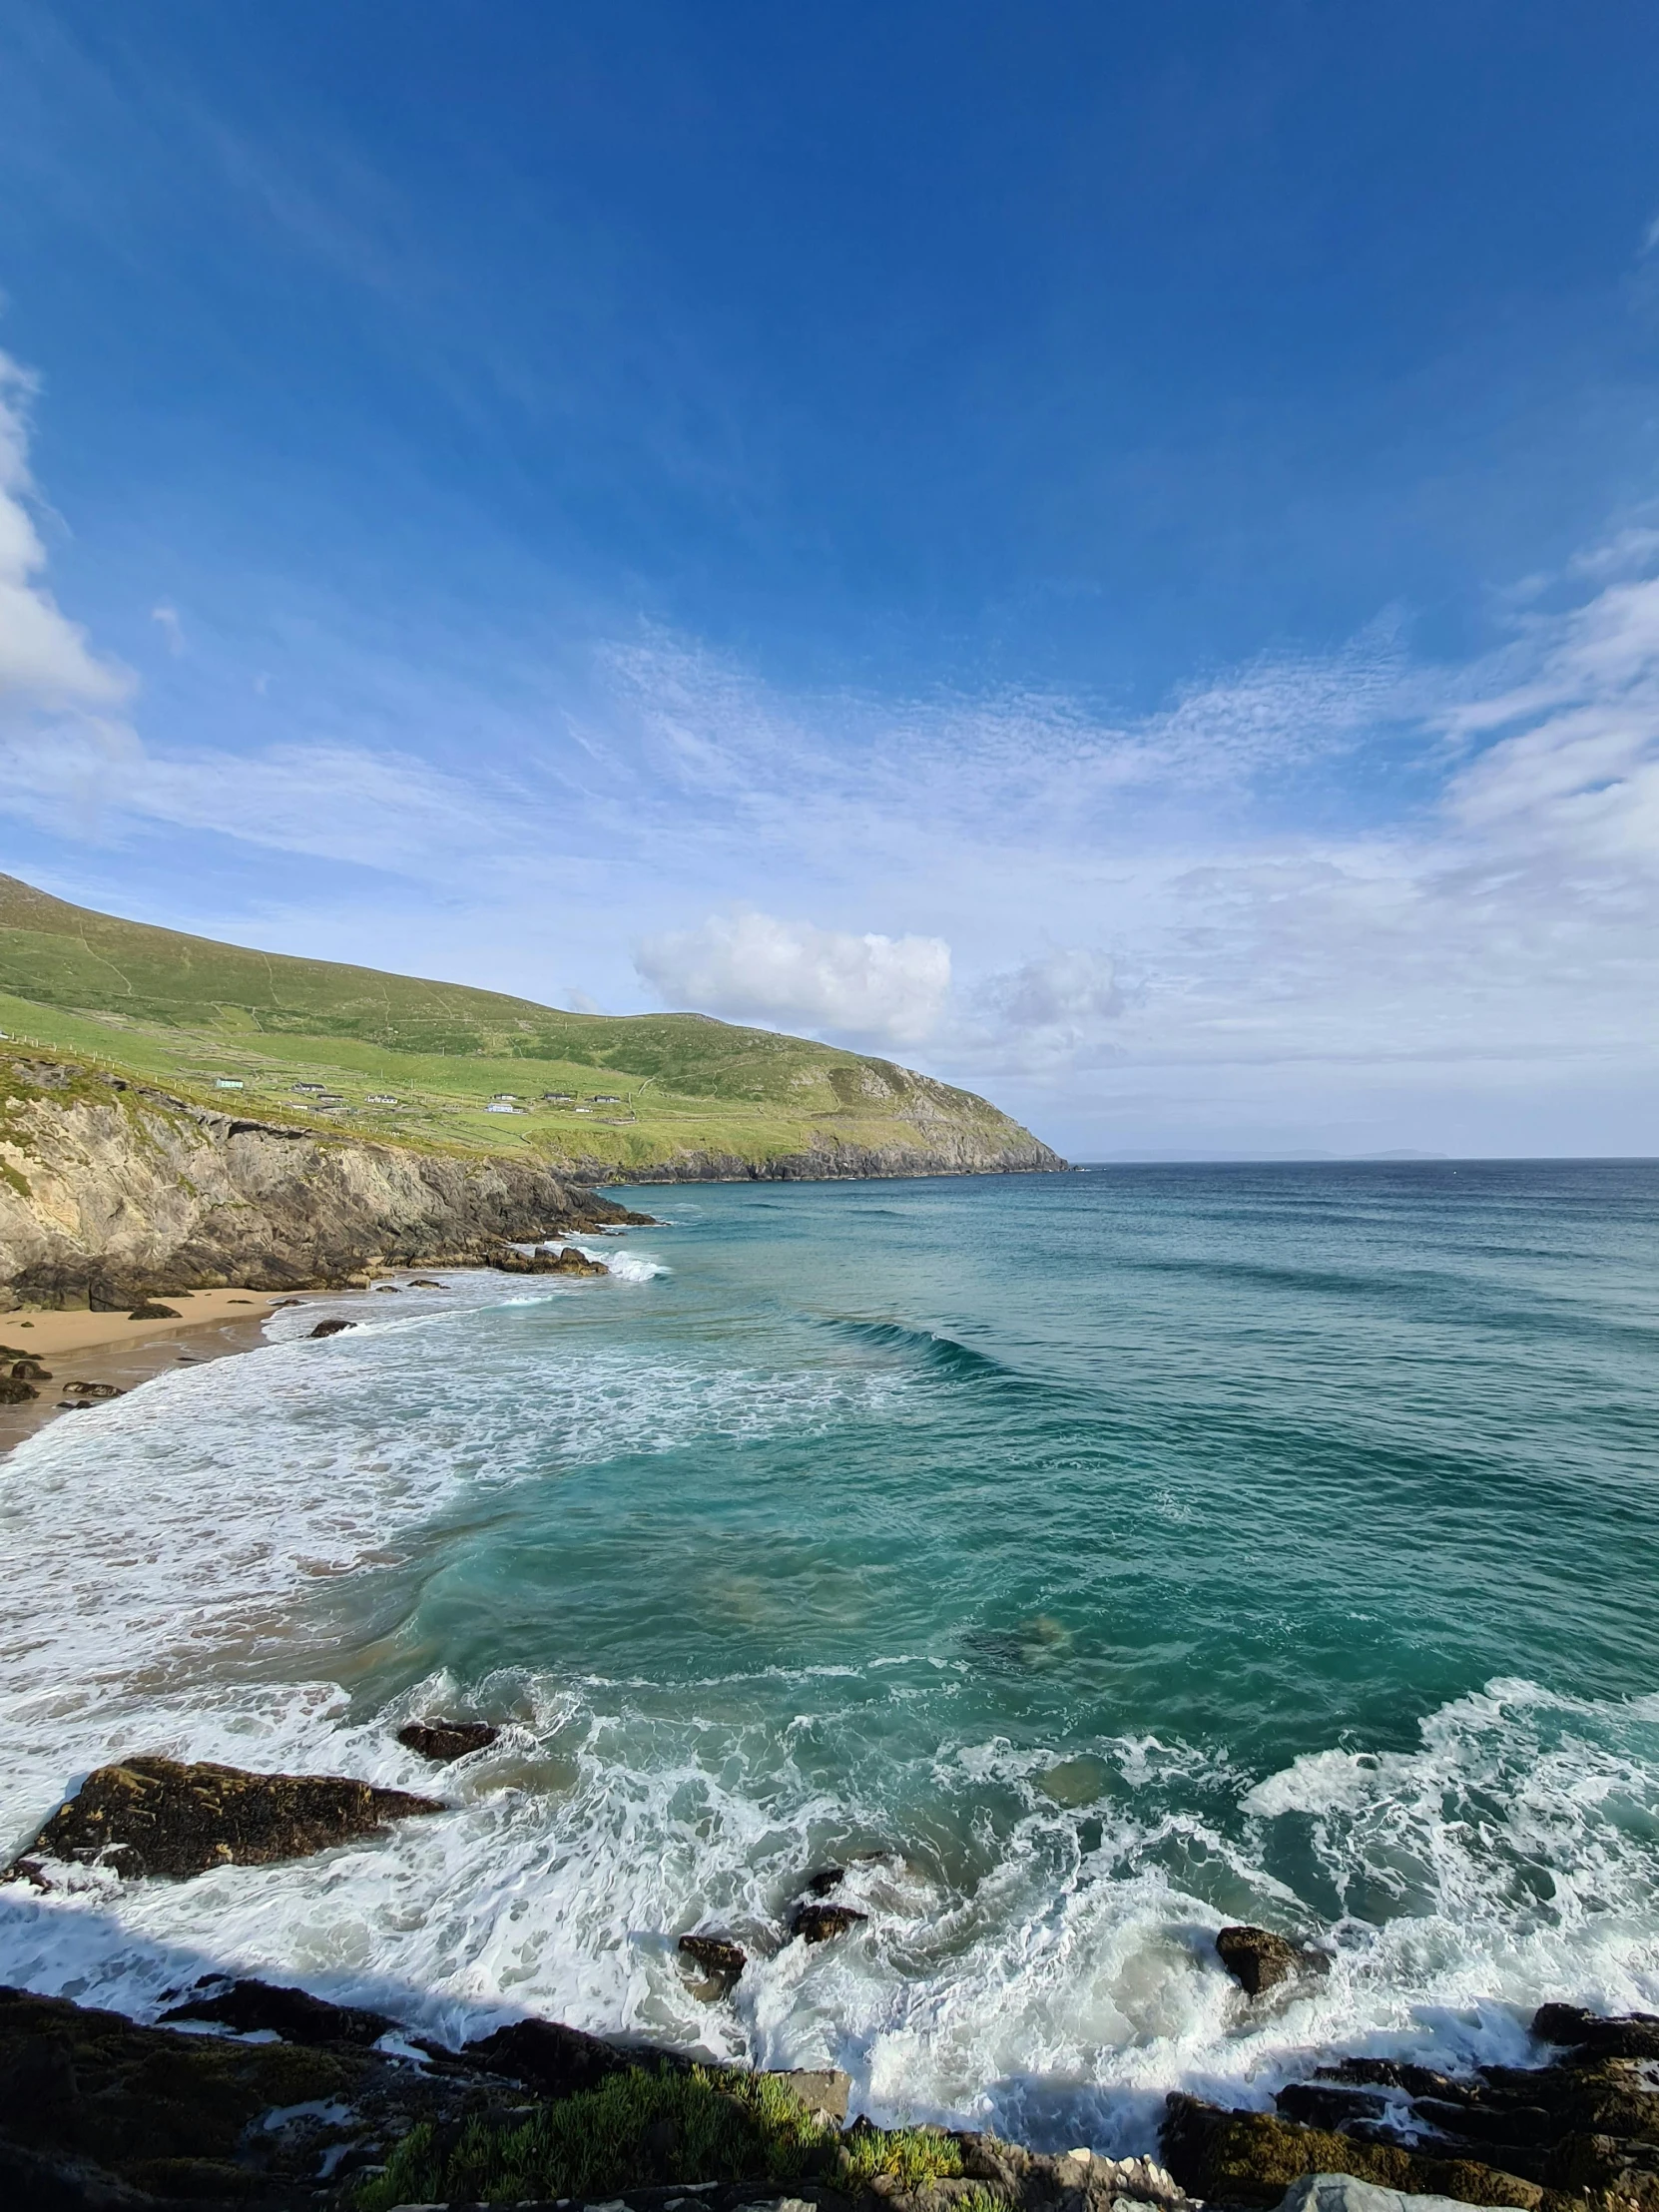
[442, 1065]
[730, 2125]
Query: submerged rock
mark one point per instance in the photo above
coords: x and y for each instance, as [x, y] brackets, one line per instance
[826, 1881]
[266, 2007]
[425, 1283]
[718, 1958]
[442, 1741]
[151, 1816]
[820, 1923]
[1257, 1960]
[332, 1327]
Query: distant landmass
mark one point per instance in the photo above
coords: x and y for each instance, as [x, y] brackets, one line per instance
[1257, 1159]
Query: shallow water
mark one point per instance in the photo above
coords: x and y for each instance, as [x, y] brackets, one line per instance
[1106, 1556]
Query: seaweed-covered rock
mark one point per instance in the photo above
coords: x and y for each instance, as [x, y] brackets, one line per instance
[266, 2007]
[443, 1741]
[1259, 1961]
[16, 1390]
[92, 1393]
[149, 1816]
[151, 1309]
[1252, 2158]
[718, 1960]
[820, 1923]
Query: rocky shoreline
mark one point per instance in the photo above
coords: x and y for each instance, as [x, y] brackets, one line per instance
[112, 1195]
[249, 2094]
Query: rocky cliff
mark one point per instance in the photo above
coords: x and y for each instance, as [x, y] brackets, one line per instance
[109, 1192]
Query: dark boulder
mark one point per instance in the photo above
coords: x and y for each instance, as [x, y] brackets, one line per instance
[568, 1262]
[31, 1371]
[826, 1881]
[718, 1960]
[441, 1741]
[425, 1283]
[14, 1390]
[332, 1327]
[1257, 1960]
[150, 1310]
[90, 1390]
[1628, 2036]
[151, 1816]
[1252, 2158]
[261, 2007]
[820, 1923]
[548, 2057]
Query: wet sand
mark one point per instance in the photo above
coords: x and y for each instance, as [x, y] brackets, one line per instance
[80, 1346]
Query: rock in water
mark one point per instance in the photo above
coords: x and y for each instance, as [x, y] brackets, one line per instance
[1257, 1960]
[441, 1741]
[14, 1390]
[332, 1327]
[820, 1923]
[152, 1816]
[90, 1390]
[720, 1960]
[266, 2007]
[1630, 2035]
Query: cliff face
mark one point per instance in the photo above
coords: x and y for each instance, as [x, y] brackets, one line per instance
[110, 1191]
[835, 1159]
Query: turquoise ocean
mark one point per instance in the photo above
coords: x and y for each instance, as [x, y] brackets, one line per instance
[1082, 1562]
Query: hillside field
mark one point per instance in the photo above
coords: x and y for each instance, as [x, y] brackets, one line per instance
[328, 1046]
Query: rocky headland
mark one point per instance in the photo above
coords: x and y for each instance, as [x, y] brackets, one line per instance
[112, 1194]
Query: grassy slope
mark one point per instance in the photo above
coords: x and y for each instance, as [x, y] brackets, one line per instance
[181, 1012]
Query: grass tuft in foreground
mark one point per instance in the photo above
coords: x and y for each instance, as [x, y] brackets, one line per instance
[636, 2127]
[914, 2155]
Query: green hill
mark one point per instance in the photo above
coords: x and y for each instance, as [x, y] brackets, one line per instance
[424, 1063]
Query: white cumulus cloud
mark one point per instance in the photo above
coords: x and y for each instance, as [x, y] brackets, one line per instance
[753, 967]
[45, 661]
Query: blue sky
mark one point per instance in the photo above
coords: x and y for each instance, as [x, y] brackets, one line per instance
[1109, 552]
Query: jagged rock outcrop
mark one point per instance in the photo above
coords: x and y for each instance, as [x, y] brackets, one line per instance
[111, 1191]
[155, 1815]
[1581, 2131]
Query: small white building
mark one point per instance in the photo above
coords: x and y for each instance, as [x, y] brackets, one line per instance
[227, 1082]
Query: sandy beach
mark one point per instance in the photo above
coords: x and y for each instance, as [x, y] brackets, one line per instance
[75, 1345]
